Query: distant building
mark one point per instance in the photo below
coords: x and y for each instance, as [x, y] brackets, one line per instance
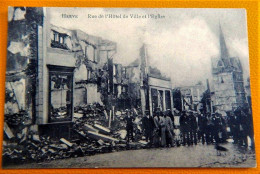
[192, 95]
[228, 85]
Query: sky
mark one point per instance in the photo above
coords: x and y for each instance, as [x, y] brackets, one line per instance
[181, 44]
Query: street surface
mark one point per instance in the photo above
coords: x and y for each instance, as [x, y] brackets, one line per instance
[183, 156]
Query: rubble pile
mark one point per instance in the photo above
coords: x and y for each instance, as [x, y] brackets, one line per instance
[90, 135]
[40, 149]
[16, 118]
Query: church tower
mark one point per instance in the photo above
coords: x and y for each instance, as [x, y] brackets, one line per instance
[228, 84]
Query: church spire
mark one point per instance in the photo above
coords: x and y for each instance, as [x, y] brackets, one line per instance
[223, 46]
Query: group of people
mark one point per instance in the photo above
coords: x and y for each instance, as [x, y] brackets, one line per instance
[205, 128]
[194, 127]
[241, 126]
[158, 130]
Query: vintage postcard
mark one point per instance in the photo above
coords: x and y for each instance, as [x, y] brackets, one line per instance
[127, 87]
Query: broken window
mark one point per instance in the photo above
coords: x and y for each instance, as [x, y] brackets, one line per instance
[90, 52]
[123, 72]
[88, 74]
[168, 99]
[154, 94]
[114, 69]
[60, 93]
[160, 104]
[58, 40]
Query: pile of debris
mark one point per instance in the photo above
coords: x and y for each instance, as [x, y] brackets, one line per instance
[90, 135]
[93, 121]
[17, 118]
[28, 146]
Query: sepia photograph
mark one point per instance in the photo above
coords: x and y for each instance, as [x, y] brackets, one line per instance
[127, 88]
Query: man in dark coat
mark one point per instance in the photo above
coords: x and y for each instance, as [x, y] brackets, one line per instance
[243, 127]
[217, 127]
[249, 125]
[148, 126]
[209, 129]
[193, 128]
[129, 126]
[184, 127]
[202, 123]
[157, 129]
[169, 113]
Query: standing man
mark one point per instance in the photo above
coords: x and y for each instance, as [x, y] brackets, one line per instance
[237, 126]
[243, 128]
[184, 127]
[202, 123]
[148, 126]
[194, 127]
[249, 123]
[162, 123]
[169, 130]
[129, 126]
[157, 129]
[209, 129]
[169, 113]
[216, 127]
[231, 124]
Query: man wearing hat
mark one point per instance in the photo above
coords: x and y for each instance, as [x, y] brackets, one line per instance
[216, 127]
[202, 124]
[129, 125]
[157, 129]
[169, 113]
[169, 130]
[184, 127]
[148, 126]
[162, 123]
[193, 127]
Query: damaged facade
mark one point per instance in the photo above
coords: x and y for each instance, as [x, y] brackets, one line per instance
[120, 87]
[191, 96]
[228, 84]
[21, 64]
[71, 71]
[53, 70]
[150, 89]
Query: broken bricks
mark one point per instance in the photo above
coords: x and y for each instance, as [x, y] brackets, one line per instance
[36, 138]
[63, 140]
[8, 131]
[98, 136]
[100, 142]
[88, 127]
[102, 129]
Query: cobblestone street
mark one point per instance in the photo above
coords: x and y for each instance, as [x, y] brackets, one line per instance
[184, 156]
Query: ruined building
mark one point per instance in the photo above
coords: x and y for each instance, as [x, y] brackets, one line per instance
[147, 86]
[191, 96]
[55, 69]
[228, 85]
[120, 87]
